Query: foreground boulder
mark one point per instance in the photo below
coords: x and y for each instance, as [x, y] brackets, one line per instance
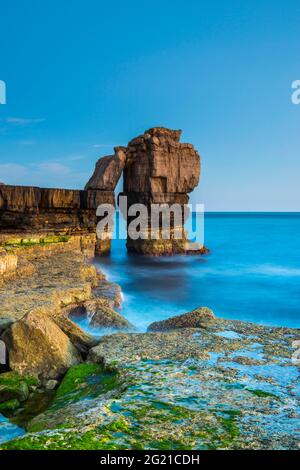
[38, 347]
[198, 318]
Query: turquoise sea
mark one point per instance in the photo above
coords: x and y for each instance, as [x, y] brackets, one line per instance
[252, 273]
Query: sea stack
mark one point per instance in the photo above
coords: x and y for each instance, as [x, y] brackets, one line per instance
[160, 170]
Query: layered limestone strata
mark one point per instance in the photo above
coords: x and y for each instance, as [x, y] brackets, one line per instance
[157, 169]
[160, 170]
[26, 209]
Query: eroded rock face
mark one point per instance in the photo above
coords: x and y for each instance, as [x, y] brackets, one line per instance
[26, 209]
[158, 163]
[160, 170]
[38, 347]
[108, 171]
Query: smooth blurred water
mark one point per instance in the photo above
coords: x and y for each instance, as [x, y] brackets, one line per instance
[252, 273]
[8, 430]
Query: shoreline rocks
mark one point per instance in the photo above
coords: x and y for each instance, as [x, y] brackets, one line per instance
[198, 318]
[40, 337]
[79, 338]
[180, 389]
[193, 382]
[38, 347]
[108, 171]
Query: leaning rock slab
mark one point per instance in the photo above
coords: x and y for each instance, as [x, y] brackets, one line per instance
[108, 171]
[38, 347]
[198, 318]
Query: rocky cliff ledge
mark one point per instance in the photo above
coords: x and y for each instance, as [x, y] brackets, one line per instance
[157, 169]
[45, 282]
[25, 209]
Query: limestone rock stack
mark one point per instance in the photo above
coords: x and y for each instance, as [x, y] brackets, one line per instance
[157, 169]
[160, 170]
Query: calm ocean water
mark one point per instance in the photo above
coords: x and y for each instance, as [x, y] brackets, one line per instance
[252, 273]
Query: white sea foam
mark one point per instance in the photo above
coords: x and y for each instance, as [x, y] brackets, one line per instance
[263, 269]
[273, 270]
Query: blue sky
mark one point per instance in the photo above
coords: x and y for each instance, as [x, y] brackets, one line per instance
[83, 76]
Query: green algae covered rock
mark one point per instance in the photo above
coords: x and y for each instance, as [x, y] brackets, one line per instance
[81, 382]
[179, 389]
[9, 405]
[13, 386]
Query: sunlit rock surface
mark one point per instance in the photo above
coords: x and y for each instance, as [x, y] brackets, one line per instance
[108, 171]
[38, 347]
